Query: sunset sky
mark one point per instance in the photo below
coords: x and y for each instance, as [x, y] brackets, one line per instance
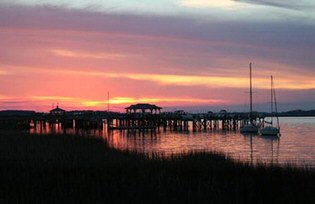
[173, 53]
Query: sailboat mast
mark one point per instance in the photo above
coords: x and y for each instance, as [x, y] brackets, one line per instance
[107, 101]
[276, 107]
[271, 98]
[250, 92]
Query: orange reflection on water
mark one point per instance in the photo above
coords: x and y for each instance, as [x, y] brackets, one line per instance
[50, 128]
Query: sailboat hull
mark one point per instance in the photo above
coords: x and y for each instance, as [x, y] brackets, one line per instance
[270, 131]
[249, 129]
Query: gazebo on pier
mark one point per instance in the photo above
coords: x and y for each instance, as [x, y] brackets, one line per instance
[57, 112]
[143, 108]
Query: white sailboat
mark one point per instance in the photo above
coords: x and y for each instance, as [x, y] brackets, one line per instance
[250, 127]
[271, 130]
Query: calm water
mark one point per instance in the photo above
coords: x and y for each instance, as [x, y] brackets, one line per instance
[296, 145]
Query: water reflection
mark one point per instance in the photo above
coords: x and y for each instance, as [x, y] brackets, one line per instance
[295, 145]
[263, 149]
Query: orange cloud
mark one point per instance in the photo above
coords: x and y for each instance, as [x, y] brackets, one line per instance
[130, 100]
[3, 72]
[58, 98]
[290, 81]
[77, 54]
[2, 97]
[294, 82]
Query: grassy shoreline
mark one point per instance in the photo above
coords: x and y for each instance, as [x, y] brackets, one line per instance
[83, 169]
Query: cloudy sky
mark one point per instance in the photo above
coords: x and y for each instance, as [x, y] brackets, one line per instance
[174, 53]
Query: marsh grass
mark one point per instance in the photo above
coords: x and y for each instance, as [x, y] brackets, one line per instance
[83, 169]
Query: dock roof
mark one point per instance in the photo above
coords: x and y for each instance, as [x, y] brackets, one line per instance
[143, 106]
[57, 109]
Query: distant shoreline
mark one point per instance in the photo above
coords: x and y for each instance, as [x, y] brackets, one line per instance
[297, 116]
[292, 113]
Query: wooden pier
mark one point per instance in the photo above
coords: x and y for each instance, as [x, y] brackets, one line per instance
[178, 122]
[139, 116]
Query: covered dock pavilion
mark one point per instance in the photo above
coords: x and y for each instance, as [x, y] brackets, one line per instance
[144, 108]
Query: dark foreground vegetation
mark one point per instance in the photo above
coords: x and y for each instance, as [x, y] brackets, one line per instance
[78, 169]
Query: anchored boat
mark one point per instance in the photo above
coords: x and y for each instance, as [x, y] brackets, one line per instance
[251, 127]
[271, 130]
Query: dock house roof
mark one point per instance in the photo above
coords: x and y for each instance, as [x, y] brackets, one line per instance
[143, 107]
[57, 111]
